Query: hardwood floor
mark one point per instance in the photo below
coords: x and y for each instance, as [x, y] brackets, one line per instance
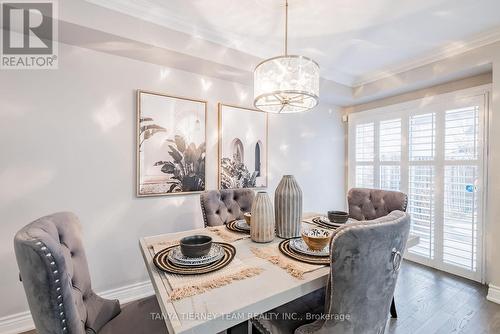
[432, 302]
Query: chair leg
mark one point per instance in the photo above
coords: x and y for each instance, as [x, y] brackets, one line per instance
[394, 313]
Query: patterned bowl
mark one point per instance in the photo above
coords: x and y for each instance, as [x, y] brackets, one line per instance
[339, 217]
[195, 245]
[316, 238]
[248, 217]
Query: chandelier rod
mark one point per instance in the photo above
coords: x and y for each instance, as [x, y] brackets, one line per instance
[286, 27]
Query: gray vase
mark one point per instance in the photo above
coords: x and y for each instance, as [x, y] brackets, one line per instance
[288, 207]
[262, 221]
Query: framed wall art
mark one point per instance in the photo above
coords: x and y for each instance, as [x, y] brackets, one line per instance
[171, 137]
[243, 137]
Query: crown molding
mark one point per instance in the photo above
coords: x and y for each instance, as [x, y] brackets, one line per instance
[224, 38]
[227, 39]
[449, 50]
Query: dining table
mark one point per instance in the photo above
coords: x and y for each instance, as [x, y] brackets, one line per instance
[220, 308]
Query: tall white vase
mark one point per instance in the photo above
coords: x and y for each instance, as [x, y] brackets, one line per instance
[262, 221]
[288, 207]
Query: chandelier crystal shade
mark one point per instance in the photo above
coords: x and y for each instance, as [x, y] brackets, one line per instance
[286, 84]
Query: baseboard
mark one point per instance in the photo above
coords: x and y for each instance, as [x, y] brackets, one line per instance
[493, 294]
[129, 293]
[16, 323]
[22, 322]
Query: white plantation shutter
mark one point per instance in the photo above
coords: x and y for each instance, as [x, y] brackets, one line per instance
[422, 137]
[462, 130]
[390, 154]
[390, 140]
[462, 170]
[364, 142]
[365, 151]
[432, 149]
[460, 217]
[364, 176]
[421, 207]
[421, 187]
[390, 177]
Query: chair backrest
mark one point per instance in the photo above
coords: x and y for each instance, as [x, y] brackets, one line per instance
[222, 206]
[365, 260]
[56, 278]
[366, 204]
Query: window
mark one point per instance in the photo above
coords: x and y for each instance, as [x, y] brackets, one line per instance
[431, 149]
[390, 154]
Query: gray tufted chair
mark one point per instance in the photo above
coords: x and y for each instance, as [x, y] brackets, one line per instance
[222, 206]
[366, 204]
[365, 260]
[56, 279]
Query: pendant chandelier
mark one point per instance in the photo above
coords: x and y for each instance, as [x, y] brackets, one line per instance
[288, 83]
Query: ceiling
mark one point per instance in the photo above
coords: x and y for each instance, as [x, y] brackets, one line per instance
[354, 41]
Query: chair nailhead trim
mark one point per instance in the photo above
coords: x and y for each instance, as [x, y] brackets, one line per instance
[57, 281]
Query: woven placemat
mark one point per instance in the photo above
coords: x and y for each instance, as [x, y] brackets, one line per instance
[233, 227]
[161, 262]
[285, 248]
[317, 221]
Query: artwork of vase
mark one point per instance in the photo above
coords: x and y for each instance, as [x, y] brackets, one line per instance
[288, 207]
[262, 221]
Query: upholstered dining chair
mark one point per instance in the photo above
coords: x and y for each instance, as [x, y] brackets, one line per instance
[365, 260]
[222, 206]
[55, 275]
[366, 204]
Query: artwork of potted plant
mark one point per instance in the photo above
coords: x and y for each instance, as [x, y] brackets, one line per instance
[187, 167]
[171, 146]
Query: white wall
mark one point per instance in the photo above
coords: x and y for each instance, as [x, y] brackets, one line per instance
[67, 142]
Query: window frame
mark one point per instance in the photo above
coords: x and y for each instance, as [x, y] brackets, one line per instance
[437, 104]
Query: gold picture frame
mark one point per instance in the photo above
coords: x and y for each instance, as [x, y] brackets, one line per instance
[222, 184]
[169, 165]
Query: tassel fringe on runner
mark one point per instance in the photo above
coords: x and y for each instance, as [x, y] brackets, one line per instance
[227, 236]
[189, 291]
[280, 261]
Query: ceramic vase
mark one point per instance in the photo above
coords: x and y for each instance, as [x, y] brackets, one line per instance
[288, 207]
[262, 221]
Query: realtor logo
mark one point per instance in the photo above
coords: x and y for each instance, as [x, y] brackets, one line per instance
[28, 35]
